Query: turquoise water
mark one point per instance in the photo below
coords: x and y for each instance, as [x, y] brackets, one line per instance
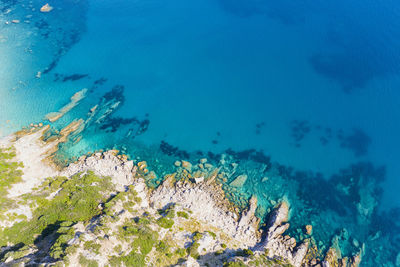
[309, 90]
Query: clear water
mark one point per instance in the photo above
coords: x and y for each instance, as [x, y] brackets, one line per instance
[312, 85]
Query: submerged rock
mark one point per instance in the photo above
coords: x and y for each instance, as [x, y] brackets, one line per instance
[239, 181]
[46, 8]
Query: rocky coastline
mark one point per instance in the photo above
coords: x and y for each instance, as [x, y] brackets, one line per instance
[205, 229]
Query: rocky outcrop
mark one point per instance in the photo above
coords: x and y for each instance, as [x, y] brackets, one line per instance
[199, 192]
[207, 203]
[107, 163]
[278, 245]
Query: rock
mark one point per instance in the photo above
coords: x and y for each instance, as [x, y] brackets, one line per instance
[300, 253]
[279, 215]
[309, 229]
[177, 163]
[208, 166]
[203, 161]
[38, 74]
[199, 179]
[332, 257]
[75, 99]
[239, 181]
[186, 164]
[142, 165]
[46, 8]
[16, 21]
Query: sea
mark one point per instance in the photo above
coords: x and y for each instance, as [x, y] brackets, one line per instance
[303, 97]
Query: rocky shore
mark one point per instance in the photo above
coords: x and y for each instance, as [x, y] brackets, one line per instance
[185, 221]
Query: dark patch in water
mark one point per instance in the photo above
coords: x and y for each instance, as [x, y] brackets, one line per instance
[300, 129]
[43, 27]
[171, 150]
[249, 154]
[116, 93]
[100, 81]
[72, 77]
[109, 103]
[358, 142]
[143, 126]
[113, 124]
[324, 141]
[259, 127]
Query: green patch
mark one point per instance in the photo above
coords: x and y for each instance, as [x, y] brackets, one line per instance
[214, 236]
[183, 214]
[193, 250]
[77, 201]
[62, 236]
[244, 253]
[235, 264]
[165, 222]
[162, 247]
[86, 262]
[92, 246]
[10, 174]
[181, 252]
[168, 212]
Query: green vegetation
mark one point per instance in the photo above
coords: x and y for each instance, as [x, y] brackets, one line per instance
[77, 200]
[86, 262]
[129, 199]
[92, 246]
[214, 236]
[168, 212]
[165, 222]
[10, 174]
[183, 214]
[244, 253]
[63, 235]
[142, 240]
[181, 252]
[262, 260]
[193, 250]
[234, 264]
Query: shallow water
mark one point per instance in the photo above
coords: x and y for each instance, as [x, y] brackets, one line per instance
[311, 85]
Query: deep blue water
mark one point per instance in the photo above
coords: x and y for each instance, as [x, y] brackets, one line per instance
[311, 86]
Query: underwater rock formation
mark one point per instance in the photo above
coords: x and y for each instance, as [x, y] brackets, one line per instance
[75, 99]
